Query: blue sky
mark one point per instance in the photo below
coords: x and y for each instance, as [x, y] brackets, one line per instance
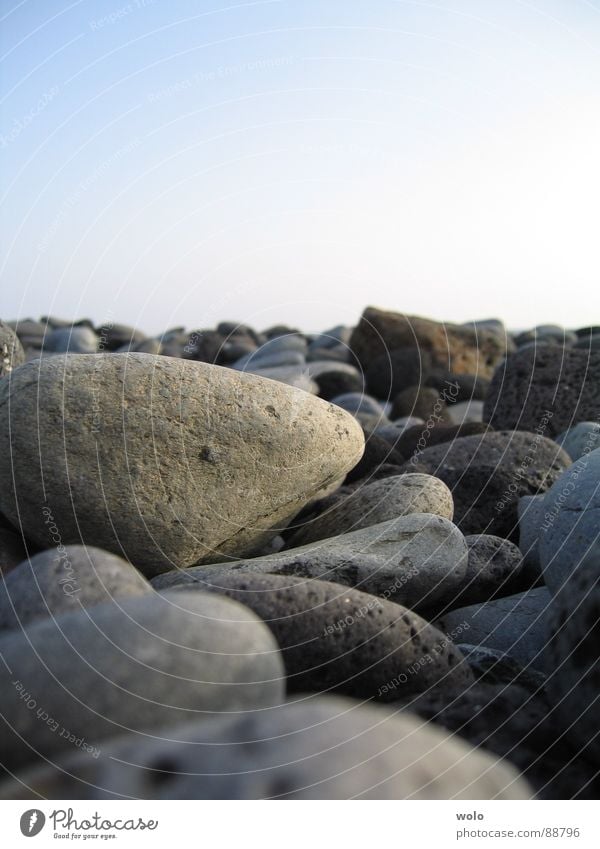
[171, 163]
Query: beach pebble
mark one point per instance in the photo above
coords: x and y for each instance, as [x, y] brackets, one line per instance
[573, 656]
[333, 638]
[75, 340]
[417, 560]
[328, 747]
[580, 439]
[377, 502]
[516, 625]
[544, 387]
[487, 473]
[169, 462]
[132, 666]
[493, 570]
[454, 347]
[570, 527]
[11, 350]
[63, 579]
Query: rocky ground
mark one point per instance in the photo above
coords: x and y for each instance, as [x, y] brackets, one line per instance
[241, 564]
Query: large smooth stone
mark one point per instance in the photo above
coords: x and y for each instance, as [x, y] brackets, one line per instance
[417, 560]
[340, 639]
[453, 347]
[516, 624]
[573, 656]
[169, 462]
[325, 748]
[398, 495]
[487, 474]
[570, 527]
[11, 350]
[544, 386]
[64, 579]
[133, 665]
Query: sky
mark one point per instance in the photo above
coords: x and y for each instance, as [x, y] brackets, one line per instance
[293, 161]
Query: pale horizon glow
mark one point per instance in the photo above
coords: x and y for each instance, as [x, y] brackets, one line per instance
[293, 162]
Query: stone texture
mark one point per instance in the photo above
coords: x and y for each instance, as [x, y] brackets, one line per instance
[169, 461]
[11, 350]
[337, 639]
[570, 528]
[488, 473]
[134, 666]
[516, 624]
[325, 748]
[64, 579]
[415, 560]
[541, 379]
[453, 347]
[377, 502]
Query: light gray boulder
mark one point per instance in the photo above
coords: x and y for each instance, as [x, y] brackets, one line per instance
[76, 680]
[170, 462]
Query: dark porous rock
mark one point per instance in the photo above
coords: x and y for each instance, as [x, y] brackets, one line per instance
[344, 640]
[487, 474]
[12, 549]
[325, 747]
[63, 579]
[453, 347]
[74, 340]
[516, 625]
[546, 387]
[515, 722]
[493, 570]
[376, 502]
[114, 336]
[378, 452]
[422, 402]
[573, 656]
[168, 462]
[335, 378]
[416, 560]
[131, 666]
[390, 373]
[415, 439]
[466, 387]
[11, 350]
